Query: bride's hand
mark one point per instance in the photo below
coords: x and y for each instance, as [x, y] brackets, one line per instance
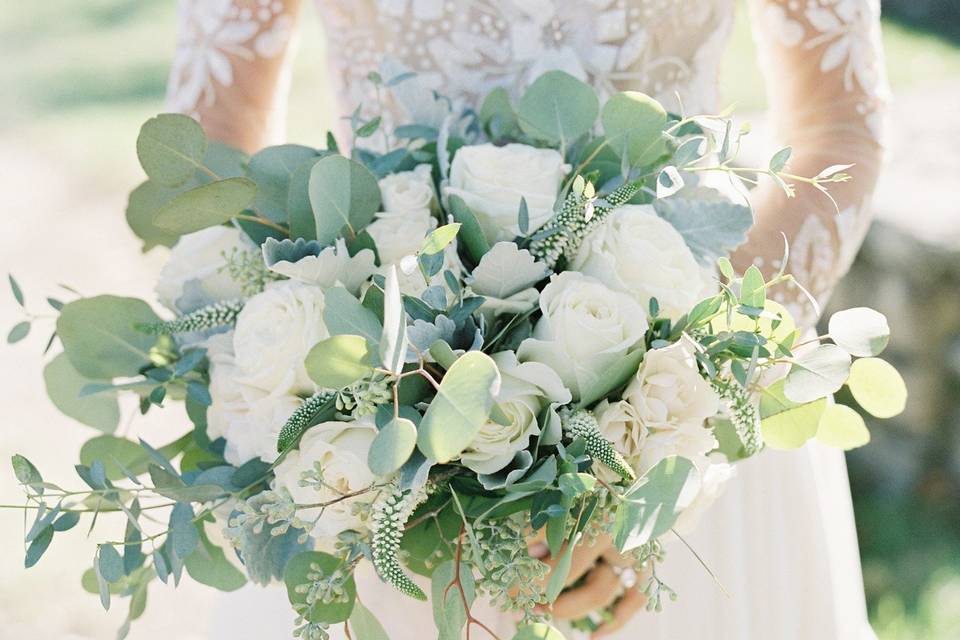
[600, 565]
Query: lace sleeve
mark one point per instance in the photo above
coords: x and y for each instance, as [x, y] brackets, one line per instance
[823, 63]
[230, 69]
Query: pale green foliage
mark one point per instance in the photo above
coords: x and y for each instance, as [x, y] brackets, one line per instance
[247, 269]
[390, 513]
[743, 412]
[583, 424]
[212, 316]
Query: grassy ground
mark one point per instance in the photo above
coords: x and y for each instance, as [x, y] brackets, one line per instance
[80, 77]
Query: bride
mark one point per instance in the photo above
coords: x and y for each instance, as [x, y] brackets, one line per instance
[781, 538]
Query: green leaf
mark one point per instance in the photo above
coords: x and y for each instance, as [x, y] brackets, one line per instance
[439, 238]
[183, 535]
[343, 314]
[633, 123]
[17, 291]
[272, 169]
[393, 341]
[599, 384]
[842, 427]
[537, 631]
[780, 159]
[37, 547]
[711, 229]
[206, 206]
[365, 625]
[343, 193]
[497, 114]
[470, 230]
[111, 564]
[24, 470]
[447, 601]
[753, 288]
[461, 406]
[99, 337]
[817, 373]
[860, 331]
[64, 382]
[309, 562]
[209, 566]
[558, 108]
[560, 573]
[119, 454]
[650, 508]
[877, 387]
[392, 446]
[299, 211]
[170, 148]
[786, 424]
[575, 484]
[339, 361]
[142, 206]
[20, 331]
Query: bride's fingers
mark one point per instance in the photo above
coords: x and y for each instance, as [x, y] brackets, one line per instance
[628, 606]
[537, 544]
[584, 557]
[598, 590]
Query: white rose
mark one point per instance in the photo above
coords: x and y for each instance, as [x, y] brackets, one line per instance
[198, 259]
[636, 251]
[408, 190]
[401, 234]
[339, 450]
[586, 328]
[687, 440]
[492, 180]
[668, 389]
[525, 390]
[252, 432]
[274, 333]
[620, 424]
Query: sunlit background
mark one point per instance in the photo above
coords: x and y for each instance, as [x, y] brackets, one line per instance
[78, 78]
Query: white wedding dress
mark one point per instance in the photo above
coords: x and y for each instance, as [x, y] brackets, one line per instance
[781, 538]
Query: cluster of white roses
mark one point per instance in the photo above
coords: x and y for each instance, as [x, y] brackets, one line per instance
[592, 317]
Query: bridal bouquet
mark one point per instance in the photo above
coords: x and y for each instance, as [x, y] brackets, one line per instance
[515, 319]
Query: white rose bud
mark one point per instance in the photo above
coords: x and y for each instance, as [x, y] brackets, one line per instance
[586, 328]
[408, 190]
[252, 432]
[199, 258]
[274, 333]
[636, 251]
[492, 180]
[525, 390]
[340, 451]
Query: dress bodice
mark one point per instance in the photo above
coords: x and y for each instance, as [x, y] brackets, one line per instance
[464, 48]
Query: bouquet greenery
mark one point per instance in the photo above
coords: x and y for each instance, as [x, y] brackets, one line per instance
[509, 320]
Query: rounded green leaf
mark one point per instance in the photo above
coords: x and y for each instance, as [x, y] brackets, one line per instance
[786, 424]
[114, 453]
[537, 631]
[171, 147]
[339, 361]
[439, 238]
[632, 123]
[878, 387]
[143, 204]
[343, 195]
[817, 373]
[100, 411]
[558, 108]
[860, 332]
[206, 206]
[309, 566]
[392, 447]
[842, 427]
[272, 169]
[100, 338]
[211, 567]
[461, 406]
[19, 331]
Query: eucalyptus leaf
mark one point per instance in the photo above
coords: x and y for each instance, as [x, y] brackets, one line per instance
[558, 108]
[142, 205]
[171, 147]
[19, 331]
[633, 123]
[650, 508]
[365, 625]
[817, 373]
[15, 288]
[877, 387]
[272, 169]
[560, 573]
[438, 239]
[111, 564]
[786, 424]
[205, 206]
[339, 361]
[343, 314]
[860, 331]
[447, 599]
[100, 338]
[470, 230]
[537, 631]
[64, 382]
[209, 565]
[392, 446]
[343, 194]
[842, 427]
[460, 408]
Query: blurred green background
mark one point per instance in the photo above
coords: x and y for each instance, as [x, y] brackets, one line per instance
[80, 77]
